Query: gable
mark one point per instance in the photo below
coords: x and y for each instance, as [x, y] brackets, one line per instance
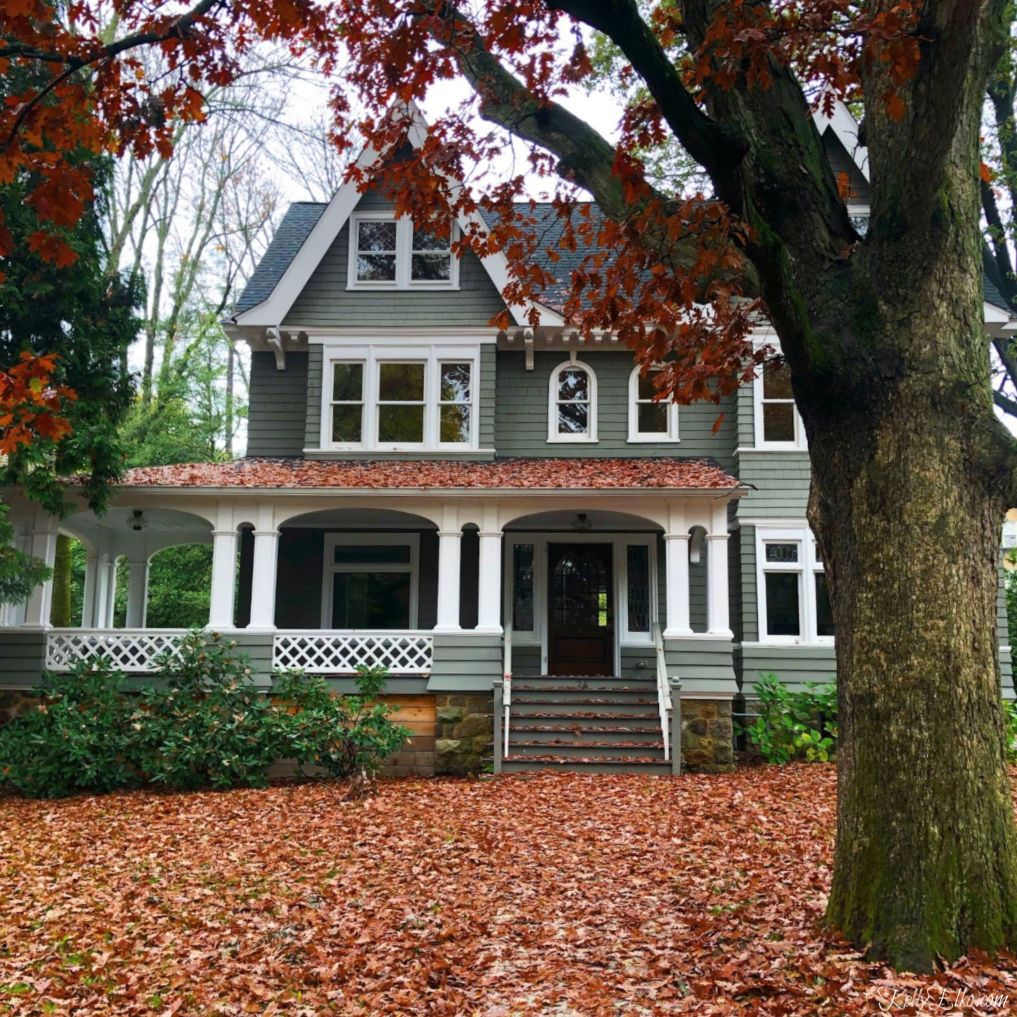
[325, 299]
[842, 163]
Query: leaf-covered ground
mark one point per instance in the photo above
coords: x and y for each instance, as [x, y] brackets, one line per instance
[556, 895]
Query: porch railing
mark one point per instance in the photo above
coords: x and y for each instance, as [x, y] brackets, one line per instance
[663, 691]
[403, 653]
[131, 650]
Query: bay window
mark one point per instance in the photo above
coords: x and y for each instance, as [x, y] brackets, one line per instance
[385, 399]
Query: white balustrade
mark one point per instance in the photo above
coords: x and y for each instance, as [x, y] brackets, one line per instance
[131, 650]
[344, 652]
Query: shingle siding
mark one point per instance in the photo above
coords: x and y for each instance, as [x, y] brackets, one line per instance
[278, 405]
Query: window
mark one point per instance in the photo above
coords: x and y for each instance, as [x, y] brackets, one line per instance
[650, 419]
[794, 605]
[390, 253]
[572, 409]
[777, 420]
[370, 581]
[393, 399]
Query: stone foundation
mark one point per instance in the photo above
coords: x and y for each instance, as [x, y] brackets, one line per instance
[14, 702]
[464, 726]
[707, 736]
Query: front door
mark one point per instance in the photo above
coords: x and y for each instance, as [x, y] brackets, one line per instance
[580, 625]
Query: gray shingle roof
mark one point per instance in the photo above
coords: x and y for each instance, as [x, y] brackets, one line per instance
[296, 224]
[993, 296]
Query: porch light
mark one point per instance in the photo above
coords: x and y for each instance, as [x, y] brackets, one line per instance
[137, 520]
[582, 523]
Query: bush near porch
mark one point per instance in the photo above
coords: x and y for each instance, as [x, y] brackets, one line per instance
[521, 896]
[203, 724]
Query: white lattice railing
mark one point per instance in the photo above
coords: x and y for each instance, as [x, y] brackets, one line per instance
[130, 650]
[344, 652]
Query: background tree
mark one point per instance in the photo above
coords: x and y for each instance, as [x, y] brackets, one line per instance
[883, 334]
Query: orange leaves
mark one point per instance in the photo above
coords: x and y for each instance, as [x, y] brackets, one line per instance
[545, 894]
[30, 405]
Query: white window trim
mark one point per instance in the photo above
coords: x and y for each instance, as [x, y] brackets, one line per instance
[798, 445]
[552, 406]
[635, 435]
[806, 568]
[538, 636]
[432, 357]
[403, 253]
[332, 540]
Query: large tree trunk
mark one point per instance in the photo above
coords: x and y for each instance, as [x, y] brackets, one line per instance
[926, 860]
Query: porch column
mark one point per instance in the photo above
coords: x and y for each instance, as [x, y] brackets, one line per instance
[450, 538]
[676, 566]
[137, 593]
[489, 582]
[110, 603]
[263, 576]
[224, 564]
[91, 593]
[717, 600]
[43, 546]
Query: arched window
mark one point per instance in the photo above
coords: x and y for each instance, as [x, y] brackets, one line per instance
[572, 403]
[650, 419]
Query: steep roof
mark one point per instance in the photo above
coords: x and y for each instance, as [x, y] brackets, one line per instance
[378, 475]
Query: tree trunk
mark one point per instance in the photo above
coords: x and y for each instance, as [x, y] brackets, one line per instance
[909, 520]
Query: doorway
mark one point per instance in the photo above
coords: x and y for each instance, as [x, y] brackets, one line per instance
[580, 623]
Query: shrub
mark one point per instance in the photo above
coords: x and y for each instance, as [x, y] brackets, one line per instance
[342, 735]
[80, 738]
[794, 725]
[1010, 729]
[206, 724]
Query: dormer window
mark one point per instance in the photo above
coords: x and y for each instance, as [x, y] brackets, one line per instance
[390, 253]
[572, 403]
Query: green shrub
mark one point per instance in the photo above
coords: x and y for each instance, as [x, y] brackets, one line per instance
[202, 724]
[1010, 729]
[793, 725]
[342, 735]
[80, 738]
[205, 724]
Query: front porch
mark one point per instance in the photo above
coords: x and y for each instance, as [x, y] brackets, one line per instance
[450, 591]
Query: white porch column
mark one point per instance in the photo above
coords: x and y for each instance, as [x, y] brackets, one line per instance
[111, 592]
[718, 607]
[43, 546]
[137, 593]
[224, 563]
[91, 593]
[489, 580]
[449, 555]
[676, 555]
[266, 553]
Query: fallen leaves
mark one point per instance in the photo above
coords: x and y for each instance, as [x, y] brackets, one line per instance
[558, 895]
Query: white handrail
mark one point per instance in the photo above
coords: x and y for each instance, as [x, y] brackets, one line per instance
[663, 691]
[507, 695]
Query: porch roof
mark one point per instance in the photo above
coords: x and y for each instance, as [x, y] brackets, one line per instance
[418, 474]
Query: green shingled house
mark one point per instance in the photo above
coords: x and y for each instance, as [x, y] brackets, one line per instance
[504, 518]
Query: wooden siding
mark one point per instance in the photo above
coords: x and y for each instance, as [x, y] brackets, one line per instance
[703, 665]
[278, 405]
[779, 484]
[22, 656]
[522, 407]
[793, 665]
[749, 606]
[525, 661]
[841, 162]
[325, 300]
[464, 662]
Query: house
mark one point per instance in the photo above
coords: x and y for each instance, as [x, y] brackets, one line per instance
[502, 517]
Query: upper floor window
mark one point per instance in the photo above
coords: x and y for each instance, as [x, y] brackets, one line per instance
[394, 399]
[650, 419]
[777, 420]
[794, 600]
[386, 252]
[572, 403]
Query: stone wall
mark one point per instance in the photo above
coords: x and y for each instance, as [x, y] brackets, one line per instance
[464, 726]
[707, 736]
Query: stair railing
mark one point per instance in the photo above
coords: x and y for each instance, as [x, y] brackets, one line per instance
[663, 690]
[507, 691]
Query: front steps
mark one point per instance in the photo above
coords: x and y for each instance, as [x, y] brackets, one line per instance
[586, 725]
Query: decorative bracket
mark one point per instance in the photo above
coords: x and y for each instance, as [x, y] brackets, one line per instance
[528, 344]
[274, 338]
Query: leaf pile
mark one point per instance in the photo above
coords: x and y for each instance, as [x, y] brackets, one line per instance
[558, 895]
